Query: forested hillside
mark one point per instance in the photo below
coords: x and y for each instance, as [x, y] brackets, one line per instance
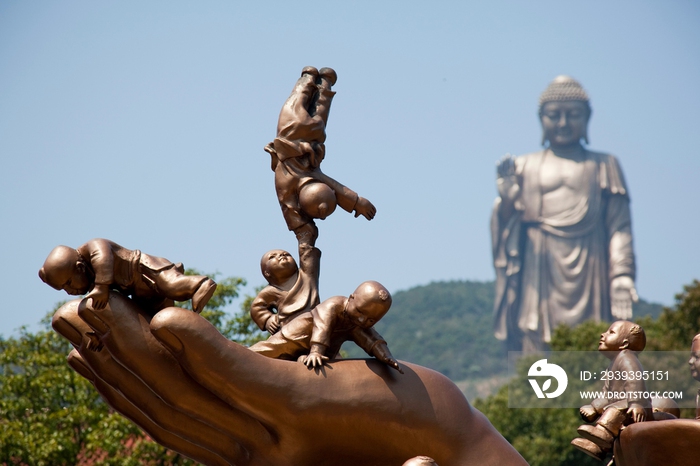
[448, 326]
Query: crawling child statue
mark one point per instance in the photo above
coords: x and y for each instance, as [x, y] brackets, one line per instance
[315, 337]
[620, 343]
[101, 265]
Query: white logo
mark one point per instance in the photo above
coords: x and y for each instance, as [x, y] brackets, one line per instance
[542, 369]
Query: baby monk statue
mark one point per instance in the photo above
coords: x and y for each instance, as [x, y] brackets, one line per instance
[694, 362]
[315, 337]
[101, 265]
[303, 191]
[291, 290]
[621, 343]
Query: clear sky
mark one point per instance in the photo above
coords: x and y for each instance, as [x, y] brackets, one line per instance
[144, 123]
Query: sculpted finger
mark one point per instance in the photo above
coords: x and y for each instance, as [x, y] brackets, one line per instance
[633, 293]
[241, 377]
[121, 404]
[130, 342]
[138, 400]
[66, 323]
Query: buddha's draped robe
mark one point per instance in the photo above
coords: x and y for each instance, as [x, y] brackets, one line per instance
[558, 269]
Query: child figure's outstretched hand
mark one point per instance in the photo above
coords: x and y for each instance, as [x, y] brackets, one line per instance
[365, 208]
[99, 295]
[391, 362]
[637, 413]
[313, 359]
[381, 352]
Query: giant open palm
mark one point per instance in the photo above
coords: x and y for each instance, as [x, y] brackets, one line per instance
[215, 401]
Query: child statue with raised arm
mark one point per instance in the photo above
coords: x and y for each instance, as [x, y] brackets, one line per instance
[290, 291]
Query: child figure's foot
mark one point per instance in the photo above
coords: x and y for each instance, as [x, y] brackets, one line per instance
[589, 448]
[598, 435]
[203, 295]
[329, 76]
[311, 71]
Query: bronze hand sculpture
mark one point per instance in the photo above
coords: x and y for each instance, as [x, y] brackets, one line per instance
[215, 401]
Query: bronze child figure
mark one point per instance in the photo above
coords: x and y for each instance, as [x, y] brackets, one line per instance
[101, 265]
[291, 289]
[620, 343]
[303, 190]
[315, 337]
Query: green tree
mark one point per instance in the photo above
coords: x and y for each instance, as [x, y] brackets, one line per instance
[49, 415]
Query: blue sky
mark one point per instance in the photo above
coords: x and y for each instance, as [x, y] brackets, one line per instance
[144, 122]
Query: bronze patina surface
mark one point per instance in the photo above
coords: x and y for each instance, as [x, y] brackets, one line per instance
[216, 401]
[287, 401]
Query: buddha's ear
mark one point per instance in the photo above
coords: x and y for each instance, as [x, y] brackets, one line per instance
[80, 266]
[625, 344]
[585, 130]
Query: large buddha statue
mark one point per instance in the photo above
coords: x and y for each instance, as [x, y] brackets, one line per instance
[561, 229]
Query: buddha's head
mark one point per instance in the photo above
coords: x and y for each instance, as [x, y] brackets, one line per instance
[564, 113]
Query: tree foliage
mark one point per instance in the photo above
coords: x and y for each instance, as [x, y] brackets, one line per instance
[49, 415]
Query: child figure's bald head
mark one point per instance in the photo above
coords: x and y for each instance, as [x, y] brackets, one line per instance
[368, 303]
[621, 335]
[64, 269]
